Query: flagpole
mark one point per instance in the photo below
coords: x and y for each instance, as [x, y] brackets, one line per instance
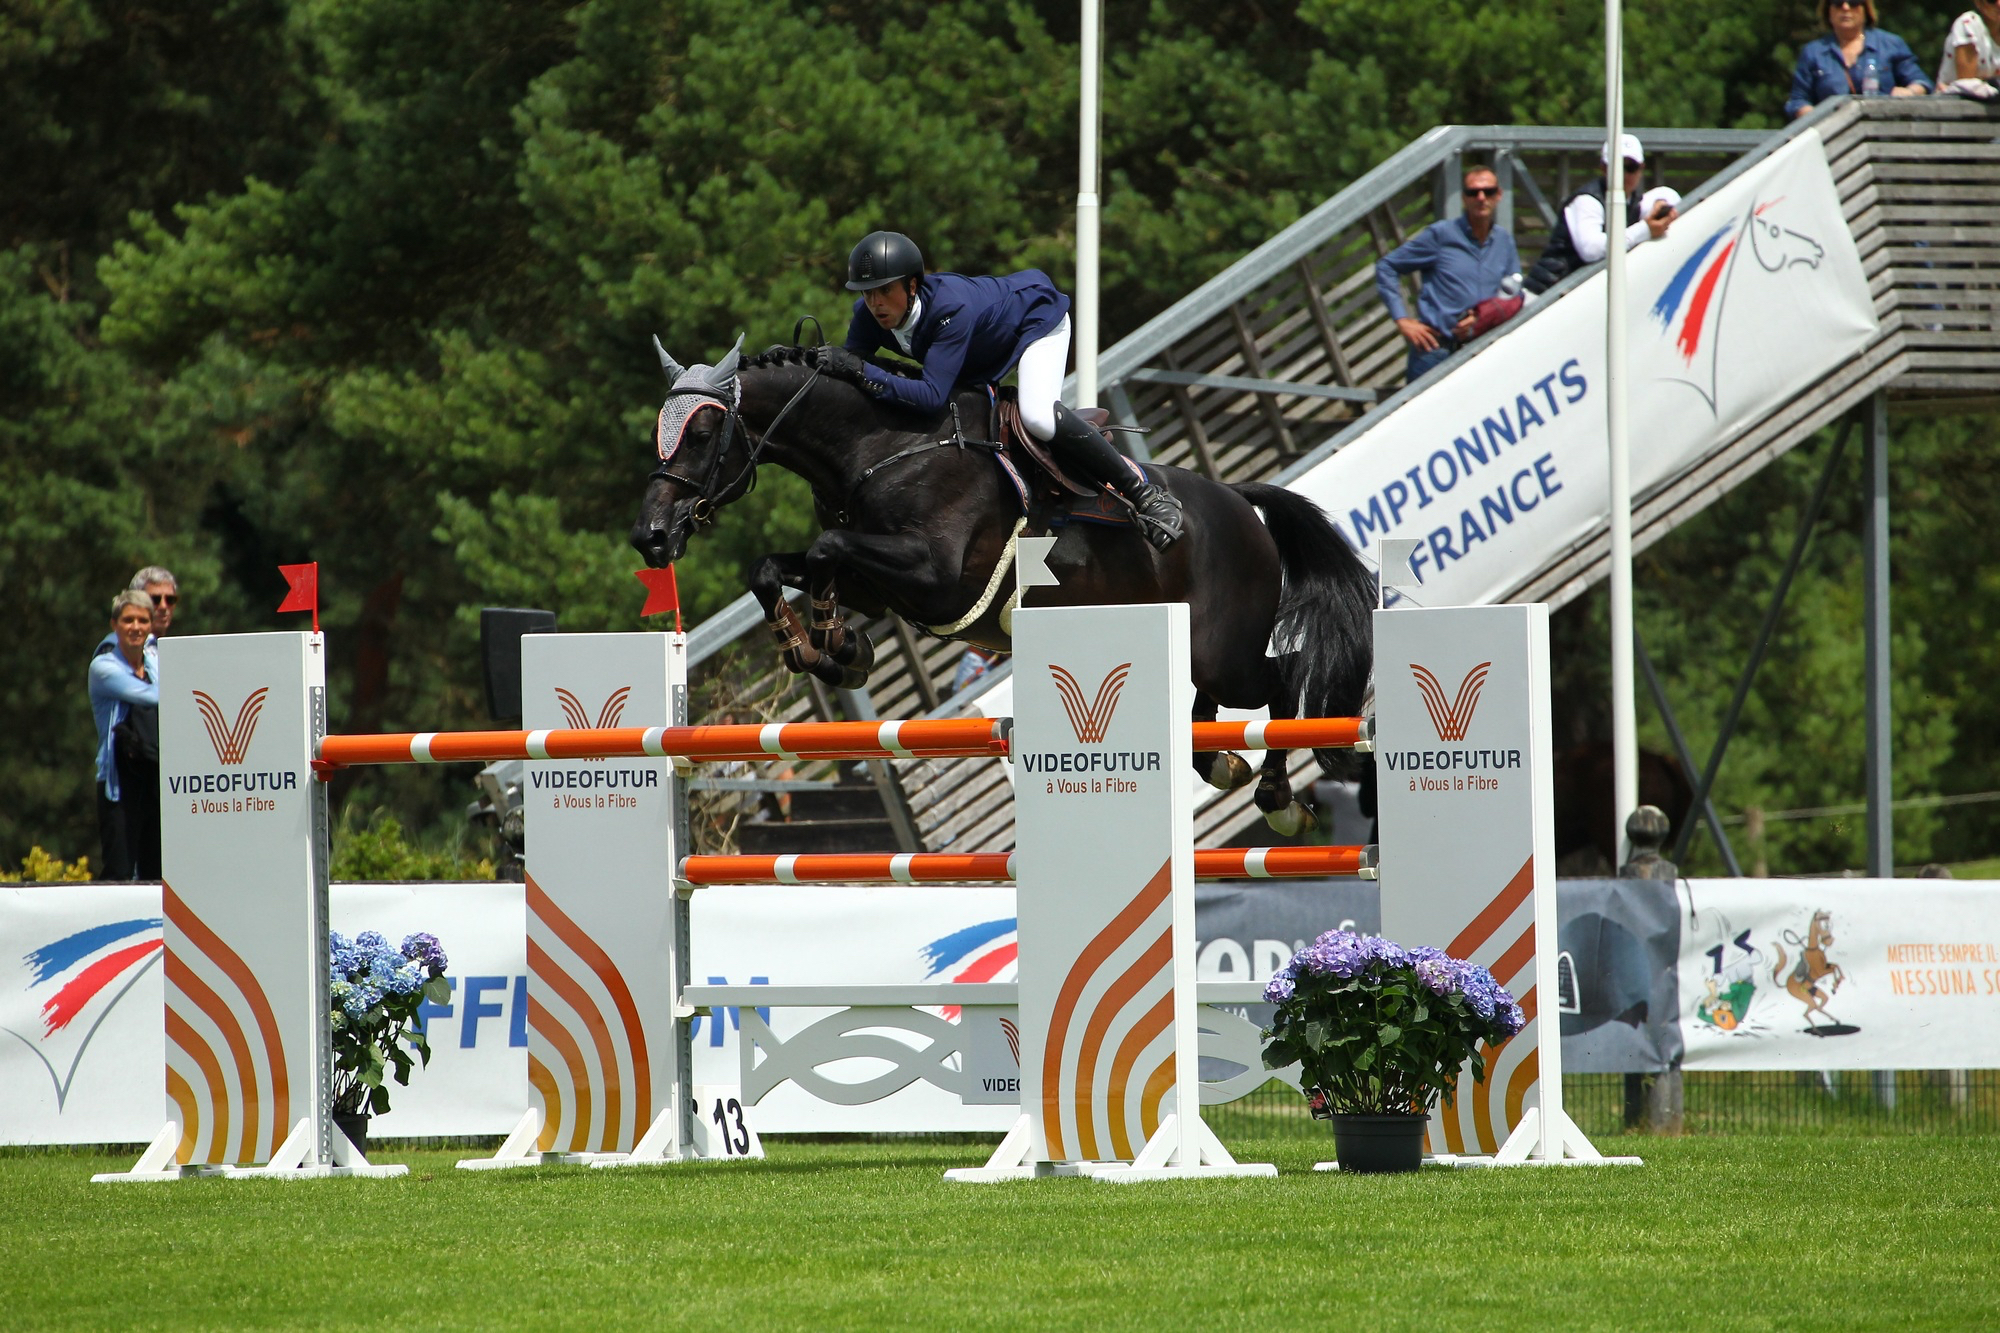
[1088, 174]
[1624, 712]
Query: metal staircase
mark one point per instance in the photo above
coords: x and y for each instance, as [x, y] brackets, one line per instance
[1286, 356]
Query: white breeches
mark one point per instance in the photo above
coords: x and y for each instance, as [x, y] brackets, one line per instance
[1039, 380]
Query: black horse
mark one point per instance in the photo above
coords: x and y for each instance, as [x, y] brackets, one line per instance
[919, 521]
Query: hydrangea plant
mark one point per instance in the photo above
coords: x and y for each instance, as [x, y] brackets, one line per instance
[1377, 1029]
[377, 990]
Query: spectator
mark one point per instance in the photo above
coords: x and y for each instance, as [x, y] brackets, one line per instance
[1856, 58]
[158, 584]
[975, 663]
[1972, 47]
[1578, 238]
[1463, 261]
[125, 693]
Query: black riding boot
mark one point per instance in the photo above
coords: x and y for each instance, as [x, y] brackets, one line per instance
[1082, 446]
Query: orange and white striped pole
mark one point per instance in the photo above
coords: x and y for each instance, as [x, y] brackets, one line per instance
[998, 867]
[942, 738]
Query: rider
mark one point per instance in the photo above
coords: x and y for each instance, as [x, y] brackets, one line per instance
[971, 331]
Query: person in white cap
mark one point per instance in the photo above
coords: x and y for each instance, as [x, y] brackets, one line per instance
[1578, 238]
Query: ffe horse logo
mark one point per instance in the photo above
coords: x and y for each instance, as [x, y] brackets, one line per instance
[1089, 721]
[82, 977]
[1690, 306]
[1450, 719]
[232, 743]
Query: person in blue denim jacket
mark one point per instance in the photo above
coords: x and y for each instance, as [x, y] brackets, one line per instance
[1856, 58]
[128, 797]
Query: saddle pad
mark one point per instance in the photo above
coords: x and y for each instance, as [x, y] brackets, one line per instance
[1099, 508]
[1013, 475]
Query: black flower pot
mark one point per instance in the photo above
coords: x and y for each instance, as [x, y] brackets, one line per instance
[1379, 1143]
[354, 1124]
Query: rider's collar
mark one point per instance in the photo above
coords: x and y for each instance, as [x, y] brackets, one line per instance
[908, 328]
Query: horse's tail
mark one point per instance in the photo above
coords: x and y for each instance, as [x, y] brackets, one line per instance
[1323, 637]
[1778, 972]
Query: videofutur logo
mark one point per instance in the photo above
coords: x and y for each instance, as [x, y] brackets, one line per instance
[232, 743]
[1090, 721]
[607, 716]
[1450, 719]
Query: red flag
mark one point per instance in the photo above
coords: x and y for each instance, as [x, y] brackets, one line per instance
[662, 593]
[304, 594]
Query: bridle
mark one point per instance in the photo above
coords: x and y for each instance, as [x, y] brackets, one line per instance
[708, 498]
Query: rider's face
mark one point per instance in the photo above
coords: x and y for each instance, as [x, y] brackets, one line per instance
[888, 304]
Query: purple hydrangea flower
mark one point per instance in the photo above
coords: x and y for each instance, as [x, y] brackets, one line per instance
[1280, 988]
[1482, 992]
[1438, 975]
[424, 949]
[1510, 1020]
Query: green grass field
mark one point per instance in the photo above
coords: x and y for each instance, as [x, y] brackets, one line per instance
[1739, 1233]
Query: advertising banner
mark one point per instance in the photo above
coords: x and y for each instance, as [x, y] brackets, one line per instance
[1105, 876]
[1468, 828]
[1508, 470]
[83, 1047]
[246, 1024]
[1840, 974]
[600, 893]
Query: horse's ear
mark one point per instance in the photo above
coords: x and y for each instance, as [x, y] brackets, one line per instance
[668, 365]
[725, 369]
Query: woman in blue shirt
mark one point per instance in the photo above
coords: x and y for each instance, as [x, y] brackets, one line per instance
[128, 795]
[1856, 58]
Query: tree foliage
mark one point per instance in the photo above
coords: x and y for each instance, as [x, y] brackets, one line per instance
[369, 282]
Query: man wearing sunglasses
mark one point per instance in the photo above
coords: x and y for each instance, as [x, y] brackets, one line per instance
[160, 586]
[1579, 235]
[1463, 260]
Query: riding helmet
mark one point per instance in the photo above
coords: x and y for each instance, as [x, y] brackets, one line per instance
[883, 257]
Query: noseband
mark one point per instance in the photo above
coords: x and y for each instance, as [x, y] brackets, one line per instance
[708, 497]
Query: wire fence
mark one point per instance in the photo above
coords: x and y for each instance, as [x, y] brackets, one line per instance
[1910, 1101]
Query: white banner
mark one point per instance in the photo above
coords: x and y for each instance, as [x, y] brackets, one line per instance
[1755, 293]
[82, 1046]
[1840, 974]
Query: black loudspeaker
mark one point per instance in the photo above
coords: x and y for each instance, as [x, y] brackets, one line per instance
[500, 631]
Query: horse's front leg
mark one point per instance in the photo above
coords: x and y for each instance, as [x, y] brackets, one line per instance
[894, 560]
[768, 580]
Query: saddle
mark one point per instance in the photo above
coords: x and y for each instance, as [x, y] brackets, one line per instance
[1050, 497]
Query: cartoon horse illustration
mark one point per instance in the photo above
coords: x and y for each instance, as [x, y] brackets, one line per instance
[1812, 967]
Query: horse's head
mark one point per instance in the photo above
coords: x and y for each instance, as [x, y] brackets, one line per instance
[706, 457]
[1778, 248]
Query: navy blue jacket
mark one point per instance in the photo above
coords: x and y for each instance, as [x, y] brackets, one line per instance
[970, 331]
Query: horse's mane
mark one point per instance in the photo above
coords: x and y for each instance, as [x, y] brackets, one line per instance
[781, 355]
[778, 354]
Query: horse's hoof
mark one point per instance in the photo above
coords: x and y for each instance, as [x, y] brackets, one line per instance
[853, 678]
[800, 660]
[858, 653]
[1229, 771]
[1291, 821]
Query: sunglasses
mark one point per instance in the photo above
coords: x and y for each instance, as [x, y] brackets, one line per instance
[165, 598]
[1482, 192]
[1847, 4]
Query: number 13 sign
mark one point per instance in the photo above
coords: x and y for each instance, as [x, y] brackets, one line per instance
[722, 1126]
